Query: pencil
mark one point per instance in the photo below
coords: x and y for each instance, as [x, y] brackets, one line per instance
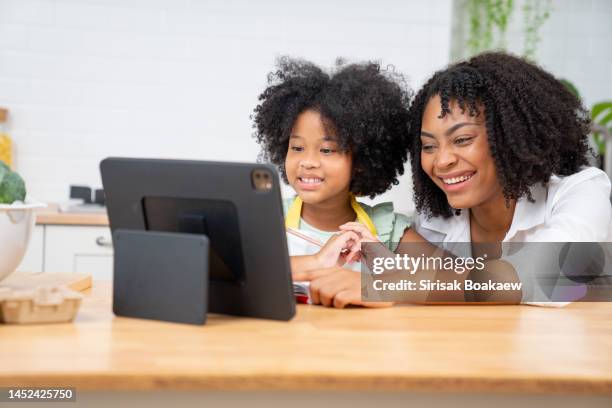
[304, 237]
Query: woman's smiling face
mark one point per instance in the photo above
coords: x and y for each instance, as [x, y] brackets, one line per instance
[455, 154]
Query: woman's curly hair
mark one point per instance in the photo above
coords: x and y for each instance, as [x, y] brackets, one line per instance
[363, 106]
[535, 126]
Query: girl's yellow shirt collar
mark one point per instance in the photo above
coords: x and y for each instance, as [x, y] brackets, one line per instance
[292, 219]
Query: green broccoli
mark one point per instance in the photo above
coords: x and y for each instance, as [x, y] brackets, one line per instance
[4, 170]
[12, 187]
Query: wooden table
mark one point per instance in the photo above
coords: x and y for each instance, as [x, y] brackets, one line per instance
[563, 357]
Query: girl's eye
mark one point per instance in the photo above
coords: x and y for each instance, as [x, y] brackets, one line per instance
[326, 150]
[296, 148]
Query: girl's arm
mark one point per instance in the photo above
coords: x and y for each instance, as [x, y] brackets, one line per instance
[338, 250]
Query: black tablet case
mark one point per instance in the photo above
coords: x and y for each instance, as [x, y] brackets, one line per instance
[265, 289]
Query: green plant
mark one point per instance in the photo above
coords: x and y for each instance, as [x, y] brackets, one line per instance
[601, 115]
[485, 17]
[12, 187]
[489, 21]
[601, 119]
[571, 87]
[535, 13]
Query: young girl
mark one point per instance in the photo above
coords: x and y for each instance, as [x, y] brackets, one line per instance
[499, 155]
[334, 137]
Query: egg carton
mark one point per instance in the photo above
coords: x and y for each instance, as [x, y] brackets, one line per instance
[45, 304]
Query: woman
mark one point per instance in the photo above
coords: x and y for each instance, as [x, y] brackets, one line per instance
[499, 154]
[506, 141]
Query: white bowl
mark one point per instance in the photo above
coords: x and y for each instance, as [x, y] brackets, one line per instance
[16, 224]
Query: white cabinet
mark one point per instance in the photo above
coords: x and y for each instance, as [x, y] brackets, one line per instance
[84, 249]
[70, 248]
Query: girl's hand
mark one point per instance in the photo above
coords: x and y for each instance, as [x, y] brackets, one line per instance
[361, 230]
[336, 287]
[339, 249]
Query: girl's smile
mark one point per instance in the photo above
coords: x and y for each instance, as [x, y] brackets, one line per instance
[309, 182]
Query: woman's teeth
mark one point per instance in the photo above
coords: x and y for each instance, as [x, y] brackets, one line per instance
[456, 180]
[310, 180]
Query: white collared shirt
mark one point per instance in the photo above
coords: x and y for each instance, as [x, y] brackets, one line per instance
[572, 208]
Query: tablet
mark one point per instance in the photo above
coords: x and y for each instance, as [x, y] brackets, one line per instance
[236, 205]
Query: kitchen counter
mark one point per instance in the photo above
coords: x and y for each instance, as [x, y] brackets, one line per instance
[52, 216]
[513, 350]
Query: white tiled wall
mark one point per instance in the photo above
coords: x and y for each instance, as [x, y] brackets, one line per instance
[577, 45]
[86, 79]
[575, 42]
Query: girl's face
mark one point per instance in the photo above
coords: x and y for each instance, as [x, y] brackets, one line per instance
[455, 155]
[315, 168]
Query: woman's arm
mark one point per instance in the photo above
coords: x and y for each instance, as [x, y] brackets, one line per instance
[413, 244]
[495, 270]
[339, 287]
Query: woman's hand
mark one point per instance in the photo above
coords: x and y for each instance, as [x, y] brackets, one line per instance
[364, 233]
[336, 287]
[338, 250]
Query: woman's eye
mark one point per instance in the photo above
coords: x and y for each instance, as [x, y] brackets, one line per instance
[296, 148]
[427, 148]
[463, 140]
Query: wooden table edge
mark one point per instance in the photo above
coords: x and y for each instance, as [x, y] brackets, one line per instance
[258, 382]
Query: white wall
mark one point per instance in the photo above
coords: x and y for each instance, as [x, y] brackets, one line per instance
[577, 45]
[86, 79]
[575, 42]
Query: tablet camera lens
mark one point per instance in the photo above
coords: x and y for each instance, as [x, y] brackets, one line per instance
[261, 180]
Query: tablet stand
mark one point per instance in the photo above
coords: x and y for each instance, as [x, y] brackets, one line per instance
[161, 276]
